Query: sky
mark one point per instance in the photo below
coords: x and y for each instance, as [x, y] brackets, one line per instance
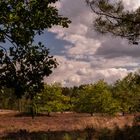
[85, 56]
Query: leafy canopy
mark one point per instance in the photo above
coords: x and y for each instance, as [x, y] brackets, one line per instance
[24, 64]
[114, 19]
[50, 99]
[96, 98]
[127, 92]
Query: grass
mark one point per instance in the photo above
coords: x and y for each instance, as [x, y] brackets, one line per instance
[126, 133]
[66, 126]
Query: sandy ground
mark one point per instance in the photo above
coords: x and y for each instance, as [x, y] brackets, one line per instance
[2, 112]
[10, 121]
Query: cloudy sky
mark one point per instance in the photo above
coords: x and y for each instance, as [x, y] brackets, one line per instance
[83, 55]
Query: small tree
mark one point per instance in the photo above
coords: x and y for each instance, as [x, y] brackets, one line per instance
[96, 98]
[105, 99]
[50, 99]
[126, 91]
[86, 101]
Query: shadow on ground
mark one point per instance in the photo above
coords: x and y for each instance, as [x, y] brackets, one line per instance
[127, 133]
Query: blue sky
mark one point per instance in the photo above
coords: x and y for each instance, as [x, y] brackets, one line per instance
[83, 55]
[49, 39]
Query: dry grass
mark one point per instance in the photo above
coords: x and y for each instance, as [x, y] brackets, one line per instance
[9, 122]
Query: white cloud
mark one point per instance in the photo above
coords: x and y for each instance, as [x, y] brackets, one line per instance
[131, 4]
[73, 72]
[91, 57]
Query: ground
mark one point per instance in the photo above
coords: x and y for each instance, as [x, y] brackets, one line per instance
[12, 121]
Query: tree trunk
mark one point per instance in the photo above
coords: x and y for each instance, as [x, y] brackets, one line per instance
[91, 114]
[48, 114]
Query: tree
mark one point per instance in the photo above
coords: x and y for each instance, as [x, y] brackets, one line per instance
[24, 69]
[127, 92]
[50, 99]
[113, 18]
[72, 94]
[8, 100]
[24, 64]
[104, 99]
[96, 98]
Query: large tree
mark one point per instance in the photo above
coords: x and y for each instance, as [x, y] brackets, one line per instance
[24, 64]
[113, 18]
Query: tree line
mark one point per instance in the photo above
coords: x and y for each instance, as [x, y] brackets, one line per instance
[24, 63]
[123, 96]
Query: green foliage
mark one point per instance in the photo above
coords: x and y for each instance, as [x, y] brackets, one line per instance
[127, 92]
[123, 96]
[114, 19]
[96, 98]
[25, 69]
[51, 99]
[22, 20]
[24, 64]
[7, 99]
[71, 95]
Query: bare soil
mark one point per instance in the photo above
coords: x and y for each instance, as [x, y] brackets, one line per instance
[12, 121]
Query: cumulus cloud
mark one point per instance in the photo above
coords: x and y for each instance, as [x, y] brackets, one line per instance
[73, 72]
[90, 56]
[131, 4]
